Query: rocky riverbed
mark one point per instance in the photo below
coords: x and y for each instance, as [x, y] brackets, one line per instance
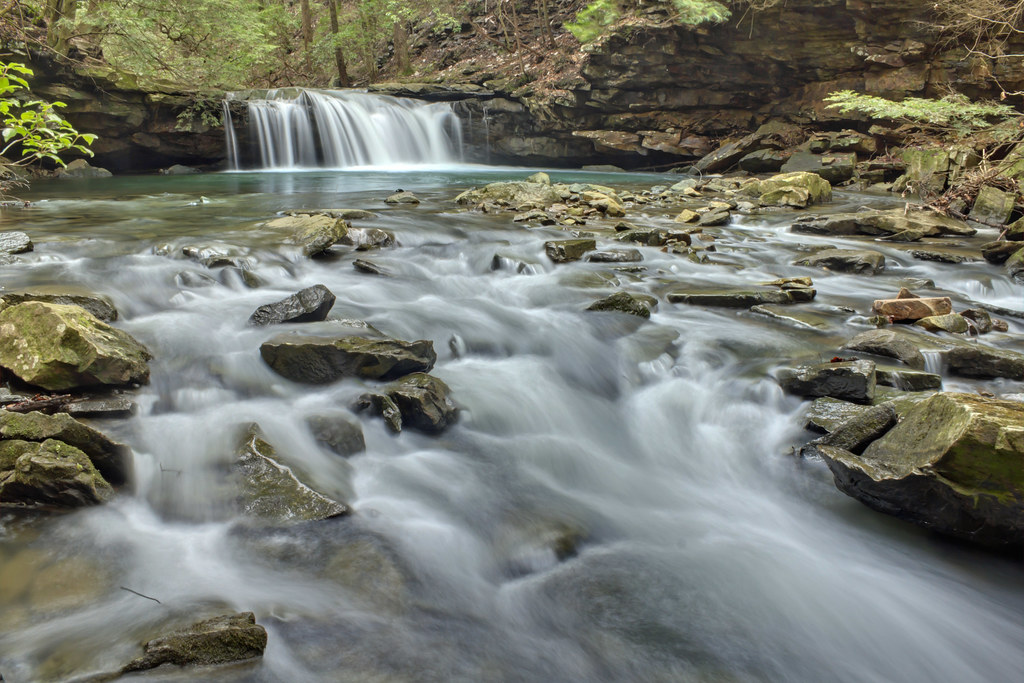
[523, 411]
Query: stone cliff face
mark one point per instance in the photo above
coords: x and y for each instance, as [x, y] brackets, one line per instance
[137, 125]
[650, 95]
[661, 93]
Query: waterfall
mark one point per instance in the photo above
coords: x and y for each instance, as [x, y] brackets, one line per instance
[231, 138]
[339, 129]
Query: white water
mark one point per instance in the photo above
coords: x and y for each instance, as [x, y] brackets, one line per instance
[711, 554]
[343, 129]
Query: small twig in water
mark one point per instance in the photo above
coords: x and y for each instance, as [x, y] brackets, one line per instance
[168, 469]
[140, 594]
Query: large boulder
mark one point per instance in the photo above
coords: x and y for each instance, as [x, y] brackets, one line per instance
[271, 492]
[954, 464]
[514, 194]
[80, 168]
[314, 233]
[60, 347]
[220, 640]
[861, 261]
[835, 168]
[318, 360]
[794, 189]
[419, 401]
[308, 305]
[50, 473]
[112, 459]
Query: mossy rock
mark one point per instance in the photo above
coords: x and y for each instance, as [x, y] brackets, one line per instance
[60, 348]
[954, 464]
[513, 194]
[50, 473]
[622, 302]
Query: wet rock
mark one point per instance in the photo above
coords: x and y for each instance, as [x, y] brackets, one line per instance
[271, 491]
[423, 403]
[789, 189]
[728, 154]
[99, 306]
[215, 256]
[512, 194]
[856, 433]
[939, 256]
[953, 465]
[606, 203]
[835, 168]
[318, 360]
[979, 319]
[220, 640]
[14, 242]
[862, 261]
[951, 322]
[112, 459]
[499, 262]
[365, 239]
[194, 280]
[888, 343]
[102, 407]
[540, 177]
[879, 223]
[622, 302]
[912, 308]
[563, 251]
[795, 316]
[741, 297]
[907, 380]
[80, 168]
[59, 347]
[314, 233]
[992, 206]
[539, 215]
[50, 473]
[338, 433]
[687, 216]
[927, 168]
[848, 380]
[998, 252]
[345, 214]
[615, 256]
[977, 360]
[308, 305]
[402, 197]
[370, 268]
[714, 217]
[1015, 266]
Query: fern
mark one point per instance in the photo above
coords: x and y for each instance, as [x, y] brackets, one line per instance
[953, 112]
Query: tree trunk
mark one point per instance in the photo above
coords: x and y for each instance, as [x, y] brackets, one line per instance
[57, 31]
[339, 56]
[400, 37]
[307, 29]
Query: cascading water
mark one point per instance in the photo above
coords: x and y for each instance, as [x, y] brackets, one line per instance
[340, 129]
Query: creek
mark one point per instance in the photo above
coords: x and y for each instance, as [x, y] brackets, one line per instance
[704, 550]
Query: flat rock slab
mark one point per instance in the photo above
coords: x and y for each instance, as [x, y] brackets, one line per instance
[880, 223]
[15, 242]
[954, 464]
[100, 306]
[977, 360]
[308, 305]
[848, 380]
[220, 640]
[888, 343]
[318, 360]
[860, 261]
[615, 256]
[742, 297]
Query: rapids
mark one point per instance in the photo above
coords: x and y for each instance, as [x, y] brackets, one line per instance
[708, 552]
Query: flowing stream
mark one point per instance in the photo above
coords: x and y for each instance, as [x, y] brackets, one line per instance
[705, 550]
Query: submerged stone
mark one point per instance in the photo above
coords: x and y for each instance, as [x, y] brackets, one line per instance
[340, 434]
[60, 347]
[220, 640]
